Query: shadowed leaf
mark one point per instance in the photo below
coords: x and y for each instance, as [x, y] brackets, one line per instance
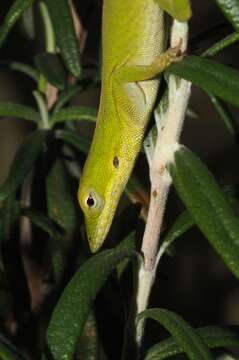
[23, 162]
[67, 41]
[8, 109]
[70, 314]
[213, 336]
[230, 9]
[183, 334]
[207, 205]
[211, 76]
[51, 67]
[222, 44]
[14, 13]
[76, 113]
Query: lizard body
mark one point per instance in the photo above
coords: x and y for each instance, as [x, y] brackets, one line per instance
[133, 54]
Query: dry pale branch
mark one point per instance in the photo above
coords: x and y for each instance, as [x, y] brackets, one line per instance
[169, 128]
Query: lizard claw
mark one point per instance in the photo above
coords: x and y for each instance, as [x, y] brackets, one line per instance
[175, 53]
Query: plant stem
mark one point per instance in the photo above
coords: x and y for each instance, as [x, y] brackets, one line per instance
[166, 144]
[43, 109]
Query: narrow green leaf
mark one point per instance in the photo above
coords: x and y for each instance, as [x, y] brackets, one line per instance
[62, 208]
[52, 69]
[14, 13]
[211, 76]
[213, 336]
[66, 38]
[74, 113]
[178, 9]
[224, 115]
[183, 223]
[8, 351]
[207, 205]
[50, 39]
[61, 200]
[25, 69]
[65, 96]
[128, 244]
[77, 141]
[184, 335]
[43, 222]
[28, 24]
[71, 312]
[23, 162]
[8, 109]
[231, 193]
[7, 354]
[10, 211]
[230, 9]
[56, 243]
[21, 67]
[222, 44]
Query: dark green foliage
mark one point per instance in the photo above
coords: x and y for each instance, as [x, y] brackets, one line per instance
[74, 113]
[20, 111]
[213, 336]
[185, 337]
[69, 303]
[66, 38]
[211, 76]
[50, 66]
[14, 13]
[230, 8]
[23, 162]
[71, 312]
[208, 206]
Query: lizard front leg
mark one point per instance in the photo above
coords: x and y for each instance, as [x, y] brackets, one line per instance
[135, 73]
[129, 94]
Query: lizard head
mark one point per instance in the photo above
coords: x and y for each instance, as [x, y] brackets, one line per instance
[98, 196]
[105, 174]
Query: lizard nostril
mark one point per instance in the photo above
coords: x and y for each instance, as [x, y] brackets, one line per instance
[116, 162]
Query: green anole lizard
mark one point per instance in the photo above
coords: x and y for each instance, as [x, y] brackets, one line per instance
[133, 39]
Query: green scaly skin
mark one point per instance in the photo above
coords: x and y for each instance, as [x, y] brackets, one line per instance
[133, 54]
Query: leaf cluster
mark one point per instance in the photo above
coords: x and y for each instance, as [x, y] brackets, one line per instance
[66, 320]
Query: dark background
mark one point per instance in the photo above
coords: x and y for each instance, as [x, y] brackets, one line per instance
[194, 283]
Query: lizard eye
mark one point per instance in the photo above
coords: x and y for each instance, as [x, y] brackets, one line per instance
[90, 201]
[94, 202]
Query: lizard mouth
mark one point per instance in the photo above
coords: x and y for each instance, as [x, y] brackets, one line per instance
[97, 238]
[103, 223]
